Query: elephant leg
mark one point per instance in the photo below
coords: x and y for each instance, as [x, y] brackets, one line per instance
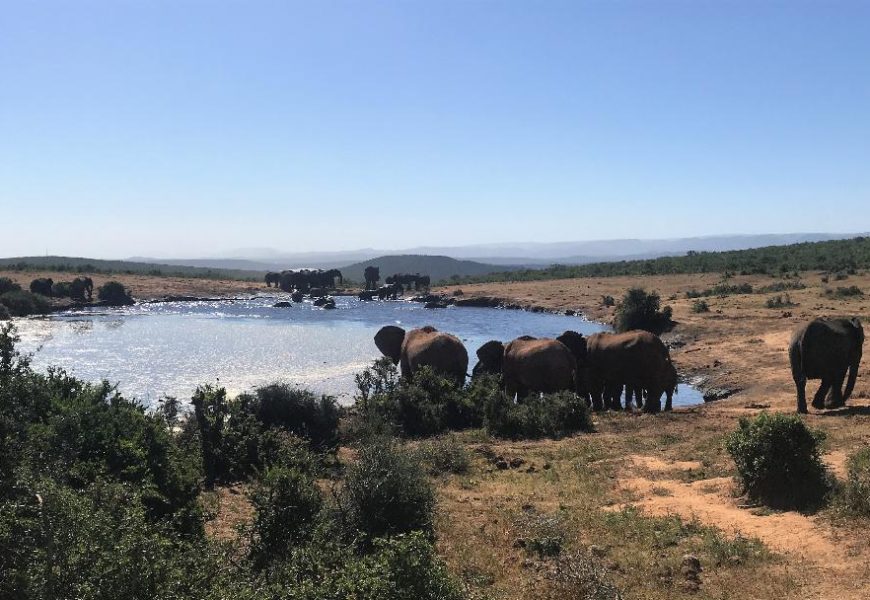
[836, 399]
[850, 384]
[522, 393]
[638, 397]
[653, 402]
[800, 383]
[819, 398]
[669, 396]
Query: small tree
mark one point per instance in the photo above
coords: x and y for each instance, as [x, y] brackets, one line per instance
[777, 457]
[115, 294]
[640, 310]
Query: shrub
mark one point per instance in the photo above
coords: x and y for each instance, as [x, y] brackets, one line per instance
[778, 462]
[640, 310]
[4, 313]
[296, 410]
[61, 289]
[427, 405]
[386, 493]
[845, 292]
[781, 286]
[114, 293]
[552, 416]
[444, 455]
[541, 534]
[779, 301]
[856, 490]
[608, 301]
[700, 306]
[286, 504]
[20, 303]
[7, 285]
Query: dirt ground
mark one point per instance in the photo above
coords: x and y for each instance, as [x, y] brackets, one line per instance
[644, 490]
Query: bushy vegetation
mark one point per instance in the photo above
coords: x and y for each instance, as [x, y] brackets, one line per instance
[700, 306]
[779, 301]
[855, 492]
[7, 285]
[69, 264]
[548, 416]
[836, 255]
[781, 286]
[444, 455]
[427, 405]
[114, 293]
[100, 498]
[777, 458]
[640, 309]
[386, 493]
[20, 303]
[275, 424]
[431, 404]
[845, 292]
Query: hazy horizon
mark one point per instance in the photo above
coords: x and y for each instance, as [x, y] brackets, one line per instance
[189, 128]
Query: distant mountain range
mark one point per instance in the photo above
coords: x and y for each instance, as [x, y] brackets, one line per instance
[438, 268]
[525, 254]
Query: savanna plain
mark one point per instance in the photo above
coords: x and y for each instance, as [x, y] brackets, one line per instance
[632, 503]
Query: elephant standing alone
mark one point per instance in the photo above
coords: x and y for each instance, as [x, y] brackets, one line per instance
[825, 349]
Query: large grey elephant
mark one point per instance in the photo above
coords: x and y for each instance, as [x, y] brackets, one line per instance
[534, 365]
[825, 349]
[425, 346]
[636, 359]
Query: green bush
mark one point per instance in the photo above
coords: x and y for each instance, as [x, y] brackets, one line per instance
[540, 533]
[114, 293]
[61, 289]
[286, 504]
[608, 301]
[427, 405]
[20, 303]
[700, 306]
[298, 411]
[4, 313]
[444, 455]
[856, 490]
[779, 301]
[7, 285]
[845, 292]
[640, 310]
[386, 493]
[777, 459]
[548, 416]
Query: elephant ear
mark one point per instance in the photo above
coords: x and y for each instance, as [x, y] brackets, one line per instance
[389, 341]
[576, 343]
[490, 356]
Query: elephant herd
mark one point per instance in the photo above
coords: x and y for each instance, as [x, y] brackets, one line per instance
[597, 368]
[80, 288]
[303, 280]
[397, 281]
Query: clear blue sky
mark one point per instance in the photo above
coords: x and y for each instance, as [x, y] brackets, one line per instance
[185, 128]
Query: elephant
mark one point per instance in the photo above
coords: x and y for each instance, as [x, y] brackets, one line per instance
[528, 364]
[372, 276]
[671, 387]
[317, 292]
[423, 281]
[636, 359]
[425, 346]
[42, 286]
[368, 294]
[82, 289]
[272, 278]
[325, 279]
[825, 349]
[297, 296]
[391, 290]
[325, 302]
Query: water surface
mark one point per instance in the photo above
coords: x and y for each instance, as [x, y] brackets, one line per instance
[152, 350]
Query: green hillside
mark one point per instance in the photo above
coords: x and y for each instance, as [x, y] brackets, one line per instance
[109, 267]
[439, 268]
[835, 255]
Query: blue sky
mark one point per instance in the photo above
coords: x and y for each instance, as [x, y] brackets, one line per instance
[190, 128]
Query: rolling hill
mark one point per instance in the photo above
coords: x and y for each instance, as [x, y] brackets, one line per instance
[439, 268]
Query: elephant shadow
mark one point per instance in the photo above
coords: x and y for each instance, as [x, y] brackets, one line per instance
[846, 411]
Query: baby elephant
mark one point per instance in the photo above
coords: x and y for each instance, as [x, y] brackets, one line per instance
[825, 349]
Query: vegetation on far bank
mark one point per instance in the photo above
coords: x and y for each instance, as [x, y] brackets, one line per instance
[832, 256]
[69, 264]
